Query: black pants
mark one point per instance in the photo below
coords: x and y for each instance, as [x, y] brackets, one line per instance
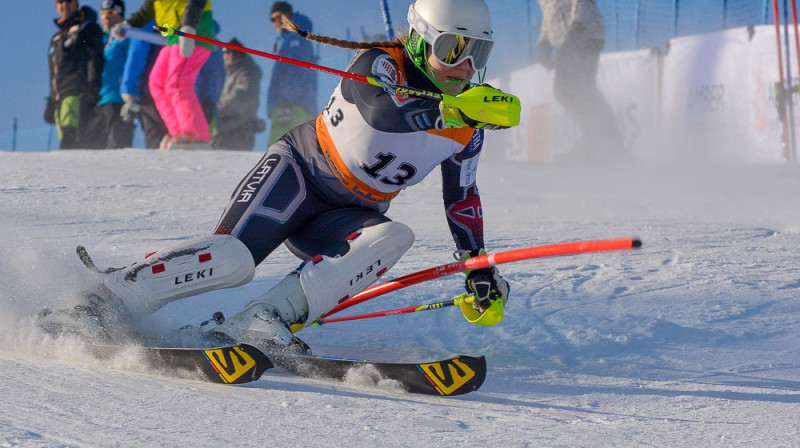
[110, 132]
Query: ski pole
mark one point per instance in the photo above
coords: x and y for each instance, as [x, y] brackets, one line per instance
[455, 301]
[169, 31]
[485, 261]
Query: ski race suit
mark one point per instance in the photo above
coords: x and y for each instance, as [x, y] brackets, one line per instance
[336, 174]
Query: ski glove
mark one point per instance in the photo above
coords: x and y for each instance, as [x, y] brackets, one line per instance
[130, 110]
[480, 107]
[118, 30]
[186, 44]
[487, 285]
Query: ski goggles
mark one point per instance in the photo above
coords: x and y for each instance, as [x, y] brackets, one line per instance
[453, 49]
[449, 48]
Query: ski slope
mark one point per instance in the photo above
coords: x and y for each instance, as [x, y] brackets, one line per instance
[689, 341]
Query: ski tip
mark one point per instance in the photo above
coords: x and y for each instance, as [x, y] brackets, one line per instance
[636, 243]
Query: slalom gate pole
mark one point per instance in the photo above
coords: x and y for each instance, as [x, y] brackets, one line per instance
[780, 88]
[455, 301]
[797, 56]
[387, 20]
[167, 31]
[485, 261]
[789, 90]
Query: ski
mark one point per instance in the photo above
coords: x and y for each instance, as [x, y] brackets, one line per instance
[230, 364]
[447, 377]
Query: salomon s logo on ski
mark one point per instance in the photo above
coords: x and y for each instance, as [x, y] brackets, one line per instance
[232, 364]
[449, 376]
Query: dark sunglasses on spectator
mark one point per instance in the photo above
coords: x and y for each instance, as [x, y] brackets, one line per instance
[275, 17]
[64, 1]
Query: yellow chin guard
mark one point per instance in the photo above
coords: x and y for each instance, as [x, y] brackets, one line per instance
[492, 316]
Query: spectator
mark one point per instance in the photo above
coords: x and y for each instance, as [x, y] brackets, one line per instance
[209, 84]
[292, 95]
[576, 31]
[142, 55]
[172, 80]
[112, 131]
[76, 69]
[238, 105]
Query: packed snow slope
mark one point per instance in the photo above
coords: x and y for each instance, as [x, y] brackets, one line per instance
[690, 341]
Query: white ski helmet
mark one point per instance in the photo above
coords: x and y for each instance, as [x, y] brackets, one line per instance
[455, 30]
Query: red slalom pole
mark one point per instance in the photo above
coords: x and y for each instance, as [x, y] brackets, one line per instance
[485, 261]
[166, 31]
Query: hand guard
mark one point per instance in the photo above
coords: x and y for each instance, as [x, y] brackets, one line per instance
[488, 286]
[480, 107]
[186, 44]
[130, 110]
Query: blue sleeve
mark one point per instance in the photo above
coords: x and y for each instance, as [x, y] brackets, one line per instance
[134, 66]
[211, 79]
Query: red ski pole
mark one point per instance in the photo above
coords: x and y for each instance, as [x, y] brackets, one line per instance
[485, 261]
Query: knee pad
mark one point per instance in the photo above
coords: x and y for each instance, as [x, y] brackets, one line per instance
[327, 281]
[190, 268]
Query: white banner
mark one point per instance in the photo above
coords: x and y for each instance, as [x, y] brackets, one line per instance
[710, 97]
[546, 132]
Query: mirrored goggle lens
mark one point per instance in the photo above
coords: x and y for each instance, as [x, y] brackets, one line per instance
[453, 49]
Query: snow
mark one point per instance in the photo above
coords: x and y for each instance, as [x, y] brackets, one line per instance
[689, 341]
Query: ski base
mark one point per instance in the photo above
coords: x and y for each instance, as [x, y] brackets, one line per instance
[449, 377]
[232, 364]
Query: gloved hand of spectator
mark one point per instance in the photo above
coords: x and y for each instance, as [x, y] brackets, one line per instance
[284, 116]
[118, 30]
[50, 111]
[186, 44]
[130, 110]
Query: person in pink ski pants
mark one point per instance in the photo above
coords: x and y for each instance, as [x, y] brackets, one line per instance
[172, 80]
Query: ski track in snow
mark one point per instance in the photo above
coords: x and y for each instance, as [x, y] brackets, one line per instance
[690, 341]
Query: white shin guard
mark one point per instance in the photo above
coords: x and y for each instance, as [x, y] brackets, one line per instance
[328, 281]
[190, 268]
[304, 296]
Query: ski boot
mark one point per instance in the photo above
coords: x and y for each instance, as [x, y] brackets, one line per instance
[264, 322]
[93, 320]
[259, 325]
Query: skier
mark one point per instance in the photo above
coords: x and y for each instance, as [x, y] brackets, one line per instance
[324, 188]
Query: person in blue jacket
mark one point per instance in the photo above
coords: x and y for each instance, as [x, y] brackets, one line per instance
[110, 130]
[135, 92]
[292, 94]
[209, 84]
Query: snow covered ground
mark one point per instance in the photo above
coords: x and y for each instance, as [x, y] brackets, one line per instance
[690, 341]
